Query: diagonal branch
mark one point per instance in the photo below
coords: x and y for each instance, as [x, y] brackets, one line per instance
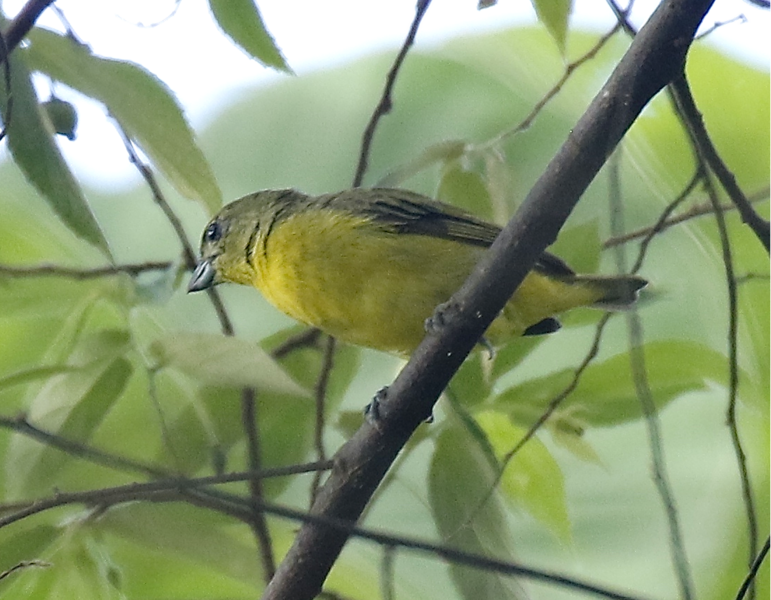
[655, 57]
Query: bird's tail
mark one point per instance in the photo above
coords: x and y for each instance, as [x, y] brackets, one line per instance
[618, 292]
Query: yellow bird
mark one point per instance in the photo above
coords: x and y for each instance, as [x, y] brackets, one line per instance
[369, 266]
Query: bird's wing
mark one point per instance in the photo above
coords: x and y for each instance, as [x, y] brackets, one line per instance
[405, 212]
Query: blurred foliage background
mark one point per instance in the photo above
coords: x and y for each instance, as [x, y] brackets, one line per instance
[131, 366]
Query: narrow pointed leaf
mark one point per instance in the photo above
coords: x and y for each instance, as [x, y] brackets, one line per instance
[459, 480]
[554, 15]
[241, 21]
[32, 145]
[223, 361]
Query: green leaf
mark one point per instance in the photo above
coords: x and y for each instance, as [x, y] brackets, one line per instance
[532, 478]
[305, 363]
[141, 103]
[460, 479]
[202, 536]
[30, 140]
[28, 544]
[606, 393]
[445, 151]
[32, 374]
[72, 406]
[465, 188]
[554, 15]
[471, 385]
[241, 21]
[223, 361]
[509, 356]
[580, 246]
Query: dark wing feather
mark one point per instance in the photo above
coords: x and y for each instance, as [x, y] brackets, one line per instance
[404, 212]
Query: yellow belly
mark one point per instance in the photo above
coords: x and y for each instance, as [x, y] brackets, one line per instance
[376, 289]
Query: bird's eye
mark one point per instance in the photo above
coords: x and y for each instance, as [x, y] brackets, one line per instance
[213, 232]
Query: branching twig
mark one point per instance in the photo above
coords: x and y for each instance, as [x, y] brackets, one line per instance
[539, 422]
[659, 225]
[697, 210]
[169, 490]
[708, 153]
[188, 253]
[570, 68]
[691, 118]
[733, 383]
[384, 106]
[133, 491]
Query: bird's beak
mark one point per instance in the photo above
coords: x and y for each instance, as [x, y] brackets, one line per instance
[203, 276]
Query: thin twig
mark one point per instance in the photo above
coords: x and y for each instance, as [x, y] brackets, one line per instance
[749, 580]
[553, 405]
[449, 553]
[640, 376]
[659, 225]
[51, 270]
[570, 68]
[706, 154]
[135, 491]
[188, 253]
[7, 114]
[218, 501]
[320, 394]
[387, 573]
[25, 564]
[386, 103]
[733, 384]
[113, 461]
[692, 120]
[718, 24]
[306, 338]
[709, 154]
[259, 525]
[697, 210]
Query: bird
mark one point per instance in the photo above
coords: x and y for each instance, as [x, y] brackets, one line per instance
[369, 266]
